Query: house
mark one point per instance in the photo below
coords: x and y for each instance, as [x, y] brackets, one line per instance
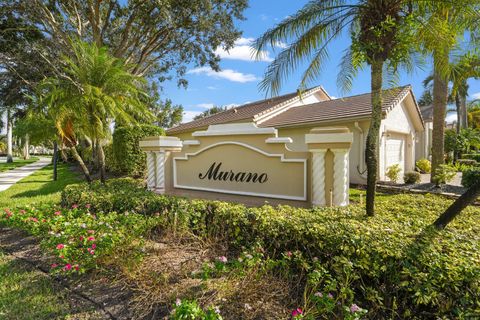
[423, 146]
[294, 115]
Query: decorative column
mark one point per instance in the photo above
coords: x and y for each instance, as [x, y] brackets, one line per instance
[150, 170]
[160, 172]
[340, 177]
[318, 177]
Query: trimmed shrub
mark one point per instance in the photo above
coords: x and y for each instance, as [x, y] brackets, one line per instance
[393, 172]
[424, 166]
[411, 177]
[128, 158]
[392, 262]
[470, 176]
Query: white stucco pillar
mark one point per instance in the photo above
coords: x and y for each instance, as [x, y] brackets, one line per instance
[340, 177]
[150, 170]
[160, 172]
[318, 177]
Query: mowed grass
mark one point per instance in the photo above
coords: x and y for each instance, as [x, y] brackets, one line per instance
[39, 187]
[26, 293]
[16, 164]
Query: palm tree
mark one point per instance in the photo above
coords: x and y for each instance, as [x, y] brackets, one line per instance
[439, 34]
[380, 35]
[95, 90]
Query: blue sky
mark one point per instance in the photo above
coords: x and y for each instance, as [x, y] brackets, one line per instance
[237, 83]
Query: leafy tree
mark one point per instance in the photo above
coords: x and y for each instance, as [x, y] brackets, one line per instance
[381, 34]
[426, 99]
[96, 90]
[166, 113]
[152, 37]
[473, 113]
[443, 28]
[209, 112]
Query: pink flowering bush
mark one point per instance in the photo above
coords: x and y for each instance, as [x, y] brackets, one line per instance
[79, 239]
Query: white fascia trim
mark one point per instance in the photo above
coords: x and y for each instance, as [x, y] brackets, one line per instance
[329, 138]
[234, 129]
[279, 140]
[191, 142]
[282, 107]
[160, 143]
[265, 195]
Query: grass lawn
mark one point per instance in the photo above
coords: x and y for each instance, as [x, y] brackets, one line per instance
[39, 187]
[26, 293]
[16, 164]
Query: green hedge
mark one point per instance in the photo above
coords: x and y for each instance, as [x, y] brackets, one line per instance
[392, 263]
[473, 156]
[127, 156]
[470, 176]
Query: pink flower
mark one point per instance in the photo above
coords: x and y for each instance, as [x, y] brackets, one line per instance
[74, 206]
[297, 312]
[77, 267]
[22, 211]
[33, 219]
[68, 266]
[330, 296]
[94, 246]
[178, 302]
[91, 231]
[91, 239]
[57, 213]
[54, 265]
[81, 238]
[289, 253]
[60, 246]
[61, 257]
[88, 205]
[92, 252]
[223, 259]
[354, 308]
[318, 294]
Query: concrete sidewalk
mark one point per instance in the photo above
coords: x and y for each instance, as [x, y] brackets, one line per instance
[9, 178]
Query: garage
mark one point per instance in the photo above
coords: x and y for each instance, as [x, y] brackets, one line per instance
[395, 146]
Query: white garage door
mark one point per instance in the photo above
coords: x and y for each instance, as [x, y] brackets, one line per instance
[395, 152]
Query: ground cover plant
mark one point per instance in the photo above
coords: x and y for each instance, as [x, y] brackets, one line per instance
[392, 264]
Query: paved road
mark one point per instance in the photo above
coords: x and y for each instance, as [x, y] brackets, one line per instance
[9, 178]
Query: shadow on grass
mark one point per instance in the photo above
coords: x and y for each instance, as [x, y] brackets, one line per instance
[43, 177]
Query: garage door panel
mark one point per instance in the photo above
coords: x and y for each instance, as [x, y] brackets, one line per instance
[395, 152]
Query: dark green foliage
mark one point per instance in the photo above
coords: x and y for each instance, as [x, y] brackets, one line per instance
[128, 158]
[470, 176]
[473, 156]
[411, 177]
[207, 113]
[394, 264]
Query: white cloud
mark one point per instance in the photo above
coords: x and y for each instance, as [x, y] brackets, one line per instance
[281, 45]
[205, 105]
[451, 117]
[188, 115]
[212, 88]
[227, 74]
[243, 51]
[476, 96]
[263, 17]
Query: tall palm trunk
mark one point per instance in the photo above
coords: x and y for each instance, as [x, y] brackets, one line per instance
[101, 161]
[371, 149]
[26, 147]
[79, 159]
[440, 96]
[9, 137]
[55, 160]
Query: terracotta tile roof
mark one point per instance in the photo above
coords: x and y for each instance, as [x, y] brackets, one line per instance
[344, 108]
[427, 112]
[244, 112]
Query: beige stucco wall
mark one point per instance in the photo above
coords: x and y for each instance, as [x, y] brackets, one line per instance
[423, 143]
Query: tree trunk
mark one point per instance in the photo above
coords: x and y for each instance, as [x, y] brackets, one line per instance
[461, 203]
[55, 160]
[26, 147]
[101, 161]
[9, 138]
[440, 94]
[63, 154]
[79, 159]
[463, 112]
[371, 149]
